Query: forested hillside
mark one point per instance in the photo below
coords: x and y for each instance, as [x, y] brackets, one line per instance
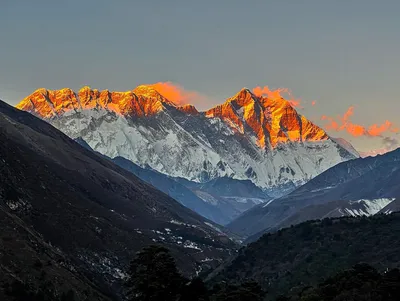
[310, 252]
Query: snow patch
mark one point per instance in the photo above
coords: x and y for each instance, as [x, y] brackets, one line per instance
[193, 148]
[208, 198]
[191, 245]
[214, 227]
[368, 207]
[267, 203]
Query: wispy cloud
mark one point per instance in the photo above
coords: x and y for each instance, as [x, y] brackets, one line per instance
[343, 123]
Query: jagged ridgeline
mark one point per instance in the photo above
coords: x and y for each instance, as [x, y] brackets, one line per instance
[248, 137]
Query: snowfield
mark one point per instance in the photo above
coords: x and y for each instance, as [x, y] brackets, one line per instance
[199, 148]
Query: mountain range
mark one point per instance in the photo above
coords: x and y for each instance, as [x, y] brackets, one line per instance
[253, 162]
[132, 169]
[248, 137]
[260, 145]
[76, 219]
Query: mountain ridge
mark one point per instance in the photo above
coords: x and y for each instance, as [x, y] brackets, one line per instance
[145, 100]
[355, 187]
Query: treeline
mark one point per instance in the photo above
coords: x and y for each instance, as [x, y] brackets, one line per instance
[305, 254]
[361, 283]
[154, 277]
[22, 291]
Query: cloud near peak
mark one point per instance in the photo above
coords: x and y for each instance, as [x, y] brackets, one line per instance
[180, 96]
[277, 94]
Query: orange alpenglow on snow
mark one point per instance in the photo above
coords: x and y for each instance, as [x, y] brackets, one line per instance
[188, 109]
[343, 123]
[265, 114]
[142, 101]
[272, 119]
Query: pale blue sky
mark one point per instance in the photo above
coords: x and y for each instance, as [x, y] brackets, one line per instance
[339, 53]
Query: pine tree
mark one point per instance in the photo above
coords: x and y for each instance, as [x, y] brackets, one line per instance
[247, 291]
[195, 290]
[153, 276]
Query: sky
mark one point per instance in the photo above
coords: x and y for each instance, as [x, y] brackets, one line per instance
[335, 57]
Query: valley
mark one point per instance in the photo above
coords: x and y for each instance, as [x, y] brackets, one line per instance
[199, 150]
[98, 187]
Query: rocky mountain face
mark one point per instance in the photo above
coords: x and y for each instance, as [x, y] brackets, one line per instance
[270, 121]
[76, 218]
[248, 137]
[363, 186]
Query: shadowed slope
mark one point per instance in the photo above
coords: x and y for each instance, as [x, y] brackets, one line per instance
[94, 212]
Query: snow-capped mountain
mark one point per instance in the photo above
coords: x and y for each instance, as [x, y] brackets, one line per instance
[247, 137]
